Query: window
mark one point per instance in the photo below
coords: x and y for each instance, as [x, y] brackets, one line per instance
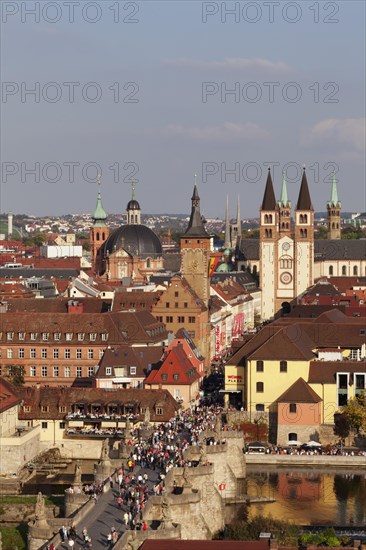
[191, 319]
[133, 370]
[93, 336]
[176, 376]
[9, 353]
[167, 304]
[10, 335]
[62, 425]
[259, 407]
[44, 353]
[57, 335]
[79, 353]
[180, 319]
[164, 377]
[260, 366]
[33, 335]
[330, 270]
[260, 387]
[55, 372]
[108, 371]
[81, 336]
[355, 270]
[293, 407]
[176, 294]
[79, 372]
[44, 371]
[159, 411]
[192, 334]
[68, 336]
[185, 304]
[67, 371]
[90, 354]
[283, 366]
[55, 353]
[67, 353]
[21, 335]
[104, 336]
[344, 270]
[62, 409]
[168, 319]
[32, 353]
[26, 408]
[44, 425]
[45, 336]
[101, 353]
[160, 318]
[292, 436]
[90, 371]
[33, 371]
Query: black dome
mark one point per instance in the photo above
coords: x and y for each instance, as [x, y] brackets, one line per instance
[133, 205]
[137, 240]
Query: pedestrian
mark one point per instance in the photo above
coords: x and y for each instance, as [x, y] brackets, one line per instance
[114, 537]
[126, 518]
[144, 526]
[109, 540]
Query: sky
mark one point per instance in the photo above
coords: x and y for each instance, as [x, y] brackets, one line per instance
[161, 91]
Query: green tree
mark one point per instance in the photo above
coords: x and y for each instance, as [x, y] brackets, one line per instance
[355, 412]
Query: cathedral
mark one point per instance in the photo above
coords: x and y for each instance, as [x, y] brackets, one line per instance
[286, 257]
[132, 250]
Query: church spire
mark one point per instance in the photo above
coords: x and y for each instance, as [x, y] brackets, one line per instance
[238, 219]
[195, 226]
[99, 215]
[269, 199]
[227, 243]
[304, 200]
[334, 202]
[284, 196]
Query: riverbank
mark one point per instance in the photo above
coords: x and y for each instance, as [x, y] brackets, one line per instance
[350, 462]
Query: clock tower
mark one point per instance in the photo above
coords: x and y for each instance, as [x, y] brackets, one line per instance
[195, 252]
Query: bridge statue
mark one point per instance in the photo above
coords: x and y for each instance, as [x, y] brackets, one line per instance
[147, 416]
[104, 455]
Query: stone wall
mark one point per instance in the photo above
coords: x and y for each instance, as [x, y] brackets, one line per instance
[16, 451]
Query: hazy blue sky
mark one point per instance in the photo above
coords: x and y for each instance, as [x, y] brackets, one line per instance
[167, 124]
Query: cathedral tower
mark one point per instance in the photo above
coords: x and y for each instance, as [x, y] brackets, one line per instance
[334, 213]
[304, 239]
[268, 237]
[99, 231]
[284, 210]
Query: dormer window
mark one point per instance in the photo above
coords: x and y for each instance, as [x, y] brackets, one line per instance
[108, 371]
[21, 335]
[44, 408]
[57, 335]
[81, 336]
[104, 336]
[164, 377]
[68, 336]
[93, 336]
[45, 336]
[159, 411]
[10, 335]
[33, 335]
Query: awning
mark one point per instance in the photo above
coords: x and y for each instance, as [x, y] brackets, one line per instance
[229, 391]
[109, 424]
[76, 424]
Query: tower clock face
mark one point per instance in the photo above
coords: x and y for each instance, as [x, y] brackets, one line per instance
[286, 246]
[286, 278]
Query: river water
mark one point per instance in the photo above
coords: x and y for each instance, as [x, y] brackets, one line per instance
[310, 496]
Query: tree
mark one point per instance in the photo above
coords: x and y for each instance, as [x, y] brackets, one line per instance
[355, 412]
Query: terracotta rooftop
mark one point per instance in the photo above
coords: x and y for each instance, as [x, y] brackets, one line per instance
[299, 392]
[176, 369]
[324, 372]
[8, 397]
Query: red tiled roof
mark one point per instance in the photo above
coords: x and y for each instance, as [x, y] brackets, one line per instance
[8, 397]
[176, 363]
[324, 372]
[299, 392]
[157, 544]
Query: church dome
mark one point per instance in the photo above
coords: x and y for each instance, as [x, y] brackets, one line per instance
[136, 240]
[133, 205]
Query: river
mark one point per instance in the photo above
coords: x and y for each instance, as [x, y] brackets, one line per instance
[310, 496]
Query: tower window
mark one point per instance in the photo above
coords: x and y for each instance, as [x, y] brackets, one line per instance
[330, 270]
[355, 270]
[98, 236]
[344, 270]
